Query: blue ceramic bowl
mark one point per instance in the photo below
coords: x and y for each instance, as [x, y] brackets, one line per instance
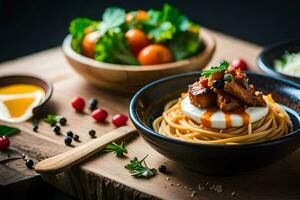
[147, 104]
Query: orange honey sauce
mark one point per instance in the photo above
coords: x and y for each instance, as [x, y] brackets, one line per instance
[18, 100]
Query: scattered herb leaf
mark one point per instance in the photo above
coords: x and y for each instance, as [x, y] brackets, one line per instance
[7, 130]
[223, 65]
[139, 168]
[52, 119]
[118, 150]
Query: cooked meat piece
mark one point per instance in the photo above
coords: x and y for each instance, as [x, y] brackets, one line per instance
[200, 96]
[259, 99]
[214, 77]
[226, 102]
[242, 94]
[242, 81]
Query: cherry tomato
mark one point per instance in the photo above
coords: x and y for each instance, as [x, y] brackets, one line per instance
[119, 120]
[155, 54]
[99, 115]
[140, 15]
[137, 40]
[88, 44]
[78, 103]
[239, 64]
[4, 143]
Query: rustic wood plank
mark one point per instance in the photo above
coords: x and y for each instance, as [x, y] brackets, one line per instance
[103, 176]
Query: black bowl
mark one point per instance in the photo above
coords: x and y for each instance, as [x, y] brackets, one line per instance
[266, 58]
[148, 102]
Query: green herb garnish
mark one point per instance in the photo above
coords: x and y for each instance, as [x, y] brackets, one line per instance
[215, 69]
[118, 150]
[7, 130]
[52, 119]
[139, 168]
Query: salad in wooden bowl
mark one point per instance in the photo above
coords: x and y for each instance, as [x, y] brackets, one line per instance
[125, 50]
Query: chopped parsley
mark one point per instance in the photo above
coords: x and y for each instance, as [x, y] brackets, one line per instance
[223, 65]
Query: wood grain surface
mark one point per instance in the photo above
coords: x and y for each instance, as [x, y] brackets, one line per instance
[103, 176]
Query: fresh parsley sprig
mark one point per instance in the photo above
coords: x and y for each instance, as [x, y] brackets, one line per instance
[118, 150]
[223, 65]
[138, 168]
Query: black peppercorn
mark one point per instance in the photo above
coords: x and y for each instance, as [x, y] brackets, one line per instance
[70, 134]
[162, 168]
[76, 137]
[62, 121]
[218, 84]
[92, 133]
[56, 129]
[29, 163]
[206, 91]
[68, 140]
[92, 104]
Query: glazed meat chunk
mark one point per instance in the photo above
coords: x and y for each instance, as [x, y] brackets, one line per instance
[200, 96]
[227, 102]
[246, 96]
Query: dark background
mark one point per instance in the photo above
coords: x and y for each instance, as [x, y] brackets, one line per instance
[28, 26]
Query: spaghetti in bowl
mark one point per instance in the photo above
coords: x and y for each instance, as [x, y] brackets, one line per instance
[149, 102]
[223, 107]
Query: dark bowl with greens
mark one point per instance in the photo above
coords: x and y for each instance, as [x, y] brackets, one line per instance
[136, 47]
[282, 59]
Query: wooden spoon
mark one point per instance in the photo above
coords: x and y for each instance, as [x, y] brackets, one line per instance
[60, 162]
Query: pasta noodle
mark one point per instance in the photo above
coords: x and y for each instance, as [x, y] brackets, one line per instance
[173, 123]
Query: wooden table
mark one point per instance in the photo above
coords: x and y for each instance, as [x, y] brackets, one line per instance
[104, 176]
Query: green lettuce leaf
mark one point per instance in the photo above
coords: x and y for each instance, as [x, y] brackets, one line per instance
[185, 44]
[112, 47]
[76, 29]
[162, 26]
[163, 32]
[173, 15]
[112, 17]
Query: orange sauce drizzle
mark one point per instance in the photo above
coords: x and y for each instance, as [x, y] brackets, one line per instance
[245, 116]
[206, 121]
[228, 119]
[205, 118]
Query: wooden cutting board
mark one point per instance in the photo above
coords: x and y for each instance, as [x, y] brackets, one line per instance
[104, 176]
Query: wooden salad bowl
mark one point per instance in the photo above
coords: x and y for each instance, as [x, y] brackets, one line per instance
[128, 78]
